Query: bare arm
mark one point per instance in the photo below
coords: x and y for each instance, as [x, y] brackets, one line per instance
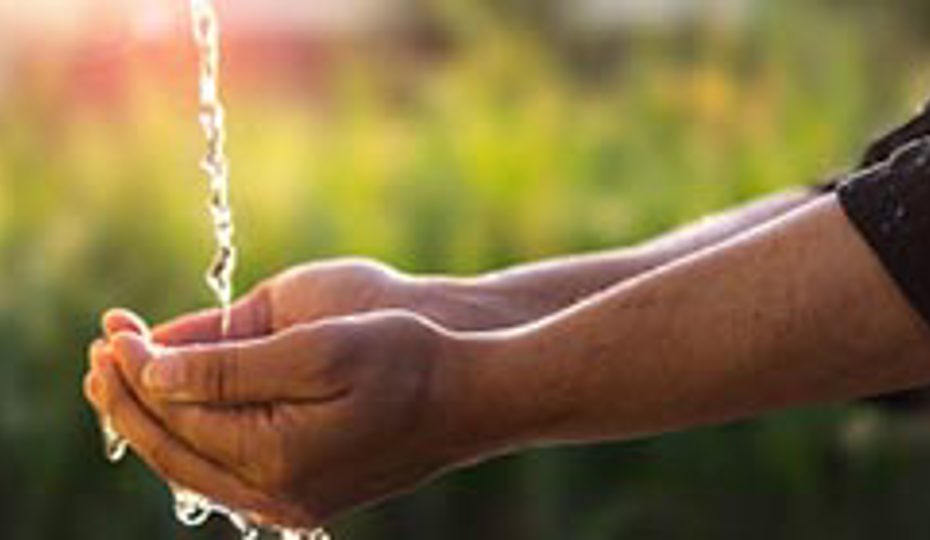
[526, 293]
[509, 298]
[303, 422]
[795, 312]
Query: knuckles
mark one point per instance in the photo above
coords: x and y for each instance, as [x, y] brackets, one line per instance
[384, 344]
[330, 289]
[222, 375]
[341, 275]
[384, 359]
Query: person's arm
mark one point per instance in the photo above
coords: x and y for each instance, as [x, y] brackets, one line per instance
[798, 311]
[528, 292]
[317, 291]
[312, 422]
[525, 293]
[305, 423]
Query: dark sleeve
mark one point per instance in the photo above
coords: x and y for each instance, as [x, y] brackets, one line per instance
[889, 204]
[883, 147]
[825, 186]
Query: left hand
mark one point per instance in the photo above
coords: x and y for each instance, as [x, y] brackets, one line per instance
[303, 425]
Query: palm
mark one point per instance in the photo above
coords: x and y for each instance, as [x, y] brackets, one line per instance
[302, 295]
[369, 372]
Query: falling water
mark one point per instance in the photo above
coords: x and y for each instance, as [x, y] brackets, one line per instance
[193, 509]
[215, 164]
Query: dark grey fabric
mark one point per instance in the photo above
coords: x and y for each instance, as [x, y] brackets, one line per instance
[889, 204]
[882, 148]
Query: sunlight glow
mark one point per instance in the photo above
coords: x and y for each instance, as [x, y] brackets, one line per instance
[59, 20]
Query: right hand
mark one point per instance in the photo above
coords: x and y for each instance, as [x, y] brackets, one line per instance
[314, 292]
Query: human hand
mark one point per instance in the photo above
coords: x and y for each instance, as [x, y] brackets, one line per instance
[316, 291]
[305, 424]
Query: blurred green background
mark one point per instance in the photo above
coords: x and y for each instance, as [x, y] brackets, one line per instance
[472, 136]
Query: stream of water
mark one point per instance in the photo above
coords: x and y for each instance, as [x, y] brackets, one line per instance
[215, 164]
[190, 508]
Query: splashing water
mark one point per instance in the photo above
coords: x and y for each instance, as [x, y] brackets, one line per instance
[190, 508]
[114, 445]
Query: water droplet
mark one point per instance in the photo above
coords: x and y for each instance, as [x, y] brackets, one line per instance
[300, 534]
[247, 529]
[114, 445]
[191, 509]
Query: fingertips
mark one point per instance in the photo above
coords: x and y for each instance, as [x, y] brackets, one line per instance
[169, 457]
[250, 317]
[132, 349]
[200, 327]
[110, 393]
[100, 355]
[119, 320]
[162, 441]
[93, 388]
[132, 354]
[94, 353]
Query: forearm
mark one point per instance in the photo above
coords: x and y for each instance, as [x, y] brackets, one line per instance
[532, 291]
[795, 312]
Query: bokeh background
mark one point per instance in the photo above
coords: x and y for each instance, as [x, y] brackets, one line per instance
[442, 136]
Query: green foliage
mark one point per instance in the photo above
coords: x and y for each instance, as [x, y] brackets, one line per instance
[509, 151]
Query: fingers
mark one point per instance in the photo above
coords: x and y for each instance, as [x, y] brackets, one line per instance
[119, 320]
[94, 352]
[250, 317]
[161, 451]
[232, 436]
[297, 365]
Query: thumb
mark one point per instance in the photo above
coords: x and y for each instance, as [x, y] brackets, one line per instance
[298, 365]
[249, 317]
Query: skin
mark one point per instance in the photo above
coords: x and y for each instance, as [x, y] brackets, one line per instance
[798, 311]
[346, 382]
[508, 298]
[314, 293]
[533, 291]
[306, 423]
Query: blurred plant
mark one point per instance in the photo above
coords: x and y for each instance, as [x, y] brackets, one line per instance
[519, 145]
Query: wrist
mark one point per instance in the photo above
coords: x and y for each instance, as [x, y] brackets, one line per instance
[495, 396]
[465, 304]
